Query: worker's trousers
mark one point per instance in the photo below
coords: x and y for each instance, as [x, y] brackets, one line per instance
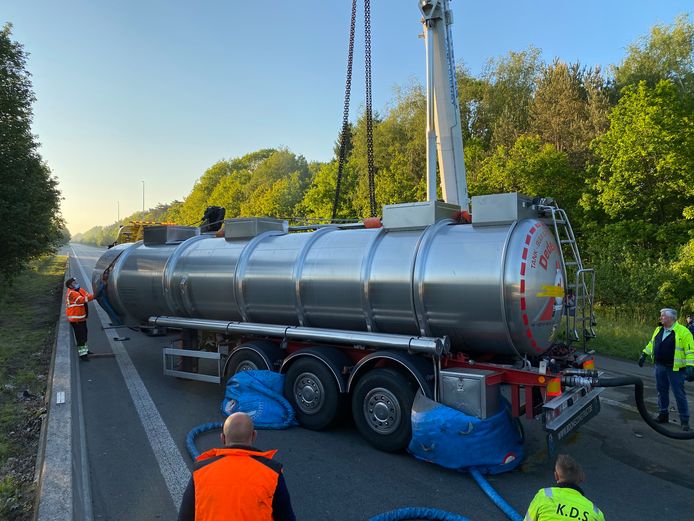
[80, 331]
[666, 378]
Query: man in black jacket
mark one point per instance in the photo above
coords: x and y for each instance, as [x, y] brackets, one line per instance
[672, 350]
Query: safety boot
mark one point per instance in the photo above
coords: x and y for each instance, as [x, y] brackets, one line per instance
[685, 426]
[662, 417]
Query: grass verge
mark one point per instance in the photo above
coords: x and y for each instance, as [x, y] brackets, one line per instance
[28, 316]
[620, 335]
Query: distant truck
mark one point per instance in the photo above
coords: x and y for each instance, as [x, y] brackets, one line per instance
[134, 231]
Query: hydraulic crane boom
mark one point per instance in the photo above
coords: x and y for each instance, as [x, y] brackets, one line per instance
[444, 133]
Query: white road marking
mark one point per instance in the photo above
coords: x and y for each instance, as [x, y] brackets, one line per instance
[171, 464]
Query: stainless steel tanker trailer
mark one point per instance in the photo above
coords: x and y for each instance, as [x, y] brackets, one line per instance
[464, 312]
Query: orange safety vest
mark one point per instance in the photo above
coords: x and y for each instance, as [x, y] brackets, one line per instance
[76, 304]
[238, 484]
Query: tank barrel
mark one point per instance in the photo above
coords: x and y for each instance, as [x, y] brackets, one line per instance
[494, 286]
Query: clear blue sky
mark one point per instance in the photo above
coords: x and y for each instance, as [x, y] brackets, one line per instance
[158, 90]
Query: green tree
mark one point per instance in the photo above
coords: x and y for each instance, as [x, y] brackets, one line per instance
[319, 198]
[678, 288]
[279, 199]
[645, 162]
[193, 208]
[470, 94]
[530, 167]
[194, 205]
[30, 221]
[276, 186]
[630, 265]
[230, 192]
[399, 154]
[667, 53]
[503, 112]
[569, 109]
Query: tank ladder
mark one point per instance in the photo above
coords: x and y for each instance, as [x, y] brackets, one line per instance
[579, 280]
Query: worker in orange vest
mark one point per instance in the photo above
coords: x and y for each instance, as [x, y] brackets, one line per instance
[76, 299]
[237, 481]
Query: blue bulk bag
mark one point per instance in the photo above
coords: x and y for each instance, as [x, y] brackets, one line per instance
[259, 394]
[454, 440]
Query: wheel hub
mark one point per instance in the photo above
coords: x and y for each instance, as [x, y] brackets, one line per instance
[382, 410]
[246, 365]
[309, 393]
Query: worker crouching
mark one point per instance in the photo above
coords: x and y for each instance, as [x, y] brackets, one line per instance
[566, 499]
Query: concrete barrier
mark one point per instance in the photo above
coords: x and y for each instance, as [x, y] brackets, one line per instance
[63, 488]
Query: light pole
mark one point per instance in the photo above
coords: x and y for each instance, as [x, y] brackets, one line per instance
[143, 200]
[118, 203]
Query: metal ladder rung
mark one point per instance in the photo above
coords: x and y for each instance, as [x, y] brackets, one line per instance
[567, 241]
[570, 263]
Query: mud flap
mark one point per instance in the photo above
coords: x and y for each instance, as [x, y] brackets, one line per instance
[566, 413]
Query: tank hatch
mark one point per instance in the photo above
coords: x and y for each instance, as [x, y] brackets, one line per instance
[411, 216]
[248, 227]
[496, 209]
[161, 234]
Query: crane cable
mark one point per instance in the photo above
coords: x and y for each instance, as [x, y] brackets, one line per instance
[345, 112]
[344, 135]
[369, 112]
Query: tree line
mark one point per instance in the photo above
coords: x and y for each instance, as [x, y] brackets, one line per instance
[30, 220]
[615, 148]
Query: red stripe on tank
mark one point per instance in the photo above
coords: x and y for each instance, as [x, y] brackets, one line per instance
[523, 303]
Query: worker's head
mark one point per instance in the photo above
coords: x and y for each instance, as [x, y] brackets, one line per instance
[690, 318]
[668, 317]
[71, 283]
[238, 430]
[567, 470]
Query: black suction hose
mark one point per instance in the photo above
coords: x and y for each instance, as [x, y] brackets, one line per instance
[622, 381]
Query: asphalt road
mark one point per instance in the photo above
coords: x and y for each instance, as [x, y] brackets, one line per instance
[633, 472]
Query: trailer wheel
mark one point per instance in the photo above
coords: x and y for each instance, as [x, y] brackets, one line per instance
[311, 389]
[381, 406]
[244, 360]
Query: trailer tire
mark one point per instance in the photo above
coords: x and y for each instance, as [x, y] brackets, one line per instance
[381, 406]
[244, 360]
[312, 390]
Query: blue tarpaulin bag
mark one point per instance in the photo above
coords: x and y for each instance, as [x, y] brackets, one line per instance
[454, 440]
[259, 394]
